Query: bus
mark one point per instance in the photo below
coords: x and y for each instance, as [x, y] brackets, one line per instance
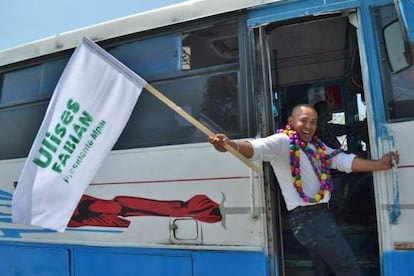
[164, 202]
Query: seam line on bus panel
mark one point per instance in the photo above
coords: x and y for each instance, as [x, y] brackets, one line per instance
[402, 206]
[172, 180]
[240, 210]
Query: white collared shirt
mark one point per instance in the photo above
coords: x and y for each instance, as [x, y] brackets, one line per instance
[275, 149]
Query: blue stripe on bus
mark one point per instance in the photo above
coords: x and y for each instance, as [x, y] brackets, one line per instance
[399, 263]
[40, 259]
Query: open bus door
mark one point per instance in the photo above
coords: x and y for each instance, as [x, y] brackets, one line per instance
[305, 60]
[299, 59]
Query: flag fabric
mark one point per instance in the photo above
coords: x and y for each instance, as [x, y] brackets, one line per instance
[90, 107]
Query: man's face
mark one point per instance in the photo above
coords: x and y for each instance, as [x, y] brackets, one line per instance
[304, 120]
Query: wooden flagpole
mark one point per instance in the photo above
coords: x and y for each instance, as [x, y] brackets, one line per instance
[198, 125]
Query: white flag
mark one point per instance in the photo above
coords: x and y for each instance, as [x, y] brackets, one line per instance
[90, 107]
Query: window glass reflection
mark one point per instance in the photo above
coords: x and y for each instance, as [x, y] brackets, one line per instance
[209, 47]
[211, 99]
[398, 86]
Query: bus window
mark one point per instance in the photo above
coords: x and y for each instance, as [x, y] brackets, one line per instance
[19, 126]
[32, 82]
[24, 97]
[210, 47]
[214, 95]
[398, 85]
[15, 89]
[398, 54]
[151, 57]
[212, 99]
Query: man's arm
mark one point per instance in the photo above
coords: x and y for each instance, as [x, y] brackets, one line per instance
[385, 163]
[244, 147]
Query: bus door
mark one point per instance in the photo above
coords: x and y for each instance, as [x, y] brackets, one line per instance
[395, 201]
[310, 60]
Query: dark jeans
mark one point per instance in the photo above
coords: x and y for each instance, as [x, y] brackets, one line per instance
[315, 228]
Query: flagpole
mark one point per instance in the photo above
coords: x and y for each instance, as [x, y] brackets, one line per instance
[198, 125]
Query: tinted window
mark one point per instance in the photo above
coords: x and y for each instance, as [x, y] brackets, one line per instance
[209, 94]
[19, 127]
[211, 99]
[152, 57]
[21, 84]
[23, 103]
[399, 86]
[174, 53]
[52, 71]
[208, 47]
[32, 82]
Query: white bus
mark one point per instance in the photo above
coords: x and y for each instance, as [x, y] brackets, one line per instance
[165, 202]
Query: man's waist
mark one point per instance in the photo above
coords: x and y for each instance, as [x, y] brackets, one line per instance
[313, 207]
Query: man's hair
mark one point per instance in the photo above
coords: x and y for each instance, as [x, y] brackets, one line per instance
[298, 106]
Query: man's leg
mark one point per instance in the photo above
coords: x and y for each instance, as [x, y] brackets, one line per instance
[318, 232]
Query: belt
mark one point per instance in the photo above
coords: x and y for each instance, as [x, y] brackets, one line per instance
[315, 207]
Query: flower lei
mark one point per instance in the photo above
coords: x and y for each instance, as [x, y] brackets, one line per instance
[321, 154]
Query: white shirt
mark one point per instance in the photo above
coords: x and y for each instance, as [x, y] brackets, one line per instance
[275, 149]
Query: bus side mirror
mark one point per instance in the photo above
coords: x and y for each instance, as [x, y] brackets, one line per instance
[397, 47]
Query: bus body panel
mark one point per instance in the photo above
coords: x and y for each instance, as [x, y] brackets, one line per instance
[152, 191]
[25, 259]
[38, 259]
[162, 175]
[191, 249]
[398, 263]
[397, 195]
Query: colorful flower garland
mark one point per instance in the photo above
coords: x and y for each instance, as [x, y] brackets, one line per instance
[321, 154]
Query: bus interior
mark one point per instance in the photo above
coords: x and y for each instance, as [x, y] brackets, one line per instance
[312, 60]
